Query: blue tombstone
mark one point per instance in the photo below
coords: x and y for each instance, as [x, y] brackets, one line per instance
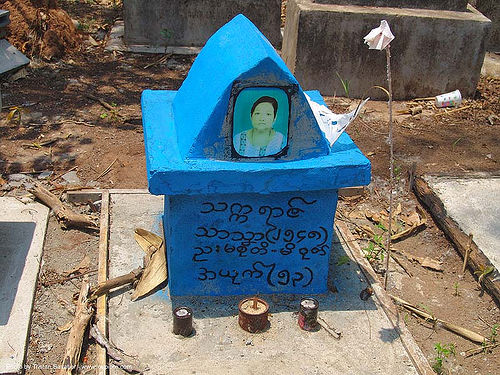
[249, 207]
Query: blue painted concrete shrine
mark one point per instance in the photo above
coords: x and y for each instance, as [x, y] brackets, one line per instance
[234, 224]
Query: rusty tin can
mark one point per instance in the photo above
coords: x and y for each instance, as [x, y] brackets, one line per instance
[253, 314]
[308, 314]
[183, 321]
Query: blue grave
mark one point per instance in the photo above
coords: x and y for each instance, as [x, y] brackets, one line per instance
[249, 203]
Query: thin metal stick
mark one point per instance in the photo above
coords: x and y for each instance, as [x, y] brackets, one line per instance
[391, 166]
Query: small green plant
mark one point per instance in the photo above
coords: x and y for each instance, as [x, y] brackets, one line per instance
[442, 352]
[492, 339]
[456, 293]
[397, 172]
[344, 259]
[166, 34]
[381, 226]
[494, 332]
[483, 272]
[345, 84]
[375, 249]
[454, 144]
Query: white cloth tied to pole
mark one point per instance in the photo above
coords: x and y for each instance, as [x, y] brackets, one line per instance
[331, 124]
[380, 37]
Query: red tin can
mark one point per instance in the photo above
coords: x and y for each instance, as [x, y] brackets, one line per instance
[308, 314]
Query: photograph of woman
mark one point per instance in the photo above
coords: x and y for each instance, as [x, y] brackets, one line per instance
[261, 139]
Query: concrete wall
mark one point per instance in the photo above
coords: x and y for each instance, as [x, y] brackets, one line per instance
[190, 23]
[491, 9]
[459, 5]
[434, 51]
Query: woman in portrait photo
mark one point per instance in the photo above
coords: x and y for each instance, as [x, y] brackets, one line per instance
[261, 139]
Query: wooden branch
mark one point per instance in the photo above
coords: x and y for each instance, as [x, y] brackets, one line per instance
[66, 217]
[106, 286]
[115, 353]
[106, 105]
[102, 276]
[82, 318]
[476, 259]
[336, 334]
[467, 251]
[464, 332]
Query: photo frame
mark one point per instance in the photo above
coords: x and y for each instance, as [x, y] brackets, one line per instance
[260, 121]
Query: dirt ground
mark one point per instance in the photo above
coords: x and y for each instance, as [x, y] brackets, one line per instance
[60, 125]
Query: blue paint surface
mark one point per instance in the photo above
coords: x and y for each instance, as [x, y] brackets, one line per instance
[237, 52]
[248, 243]
[241, 226]
[170, 174]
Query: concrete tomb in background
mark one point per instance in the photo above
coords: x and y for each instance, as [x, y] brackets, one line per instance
[459, 5]
[235, 221]
[162, 23]
[435, 51]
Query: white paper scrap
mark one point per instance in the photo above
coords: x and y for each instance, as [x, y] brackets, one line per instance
[380, 37]
[331, 124]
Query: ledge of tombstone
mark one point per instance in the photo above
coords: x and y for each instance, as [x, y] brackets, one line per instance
[170, 174]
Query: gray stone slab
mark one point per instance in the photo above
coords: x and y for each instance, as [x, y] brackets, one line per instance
[116, 43]
[474, 203]
[369, 343]
[491, 9]
[159, 23]
[10, 58]
[22, 233]
[434, 51]
[459, 5]
[4, 17]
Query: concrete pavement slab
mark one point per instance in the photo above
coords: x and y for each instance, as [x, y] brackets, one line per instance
[22, 233]
[369, 344]
[474, 203]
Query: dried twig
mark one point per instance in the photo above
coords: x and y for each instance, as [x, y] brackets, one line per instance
[115, 353]
[64, 279]
[336, 334]
[105, 287]
[160, 61]
[107, 170]
[83, 313]
[391, 166]
[66, 217]
[452, 111]
[467, 251]
[464, 332]
[474, 351]
[106, 105]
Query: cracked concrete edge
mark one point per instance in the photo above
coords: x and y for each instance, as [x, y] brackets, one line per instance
[417, 356]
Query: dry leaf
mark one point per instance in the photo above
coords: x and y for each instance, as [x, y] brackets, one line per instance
[66, 327]
[397, 211]
[431, 263]
[368, 230]
[413, 219]
[82, 267]
[155, 271]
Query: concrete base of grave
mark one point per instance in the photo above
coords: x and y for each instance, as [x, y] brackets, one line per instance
[434, 51]
[160, 23]
[22, 232]
[473, 203]
[116, 43]
[369, 342]
[491, 9]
